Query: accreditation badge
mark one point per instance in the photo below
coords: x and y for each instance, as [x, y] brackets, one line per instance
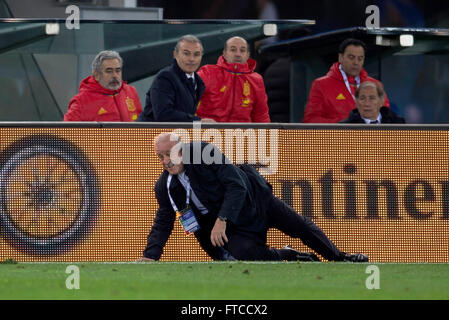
[188, 220]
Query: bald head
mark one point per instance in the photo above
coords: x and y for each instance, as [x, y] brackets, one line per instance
[236, 50]
[165, 137]
[232, 40]
[169, 155]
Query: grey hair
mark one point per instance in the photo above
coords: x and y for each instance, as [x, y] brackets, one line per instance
[167, 136]
[105, 55]
[380, 91]
[188, 38]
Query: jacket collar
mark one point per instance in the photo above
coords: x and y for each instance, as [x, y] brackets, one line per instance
[90, 84]
[247, 67]
[182, 75]
[385, 112]
[334, 72]
[178, 70]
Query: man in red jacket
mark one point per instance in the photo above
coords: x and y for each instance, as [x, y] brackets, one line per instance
[234, 92]
[103, 96]
[331, 97]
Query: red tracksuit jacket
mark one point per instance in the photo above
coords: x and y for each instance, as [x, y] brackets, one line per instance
[95, 103]
[329, 99]
[234, 93]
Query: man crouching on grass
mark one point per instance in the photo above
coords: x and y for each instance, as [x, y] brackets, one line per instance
[229, 208]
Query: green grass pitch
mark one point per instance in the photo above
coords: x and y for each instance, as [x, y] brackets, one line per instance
[224, 281]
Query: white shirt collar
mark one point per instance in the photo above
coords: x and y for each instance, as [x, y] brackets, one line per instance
[368, 121]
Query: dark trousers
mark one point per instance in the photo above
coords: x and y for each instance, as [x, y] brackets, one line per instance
[207, 222]
[247, 246]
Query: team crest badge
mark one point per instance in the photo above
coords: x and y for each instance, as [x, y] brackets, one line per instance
[130, 104]
[246, 102]
[246, 89]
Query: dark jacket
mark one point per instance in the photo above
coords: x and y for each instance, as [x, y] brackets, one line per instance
[171, 98]
[388, 116]
[238, 193]
[277, 85]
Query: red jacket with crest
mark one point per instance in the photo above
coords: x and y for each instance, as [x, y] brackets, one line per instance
[234, 93]
[95, 103]
[329, 99]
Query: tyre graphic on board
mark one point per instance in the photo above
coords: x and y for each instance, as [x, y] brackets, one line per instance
[49, 195]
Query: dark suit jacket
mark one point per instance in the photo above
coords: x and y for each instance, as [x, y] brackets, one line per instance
[238, 193]
[171, 98]
[388, 116]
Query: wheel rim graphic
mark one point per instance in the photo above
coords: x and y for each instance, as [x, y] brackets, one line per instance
[49, 195]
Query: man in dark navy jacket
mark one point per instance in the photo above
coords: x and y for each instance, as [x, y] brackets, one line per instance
[369, 106]
[177, 89]
[233, 206]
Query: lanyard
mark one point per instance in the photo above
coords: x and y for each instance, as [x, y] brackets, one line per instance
[345, 79]
[187, 187]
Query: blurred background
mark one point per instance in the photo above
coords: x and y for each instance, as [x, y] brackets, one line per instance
[40, 69]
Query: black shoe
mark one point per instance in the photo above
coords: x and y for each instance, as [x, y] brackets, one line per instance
[225, 255]
[290, 254]
[356, 257]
